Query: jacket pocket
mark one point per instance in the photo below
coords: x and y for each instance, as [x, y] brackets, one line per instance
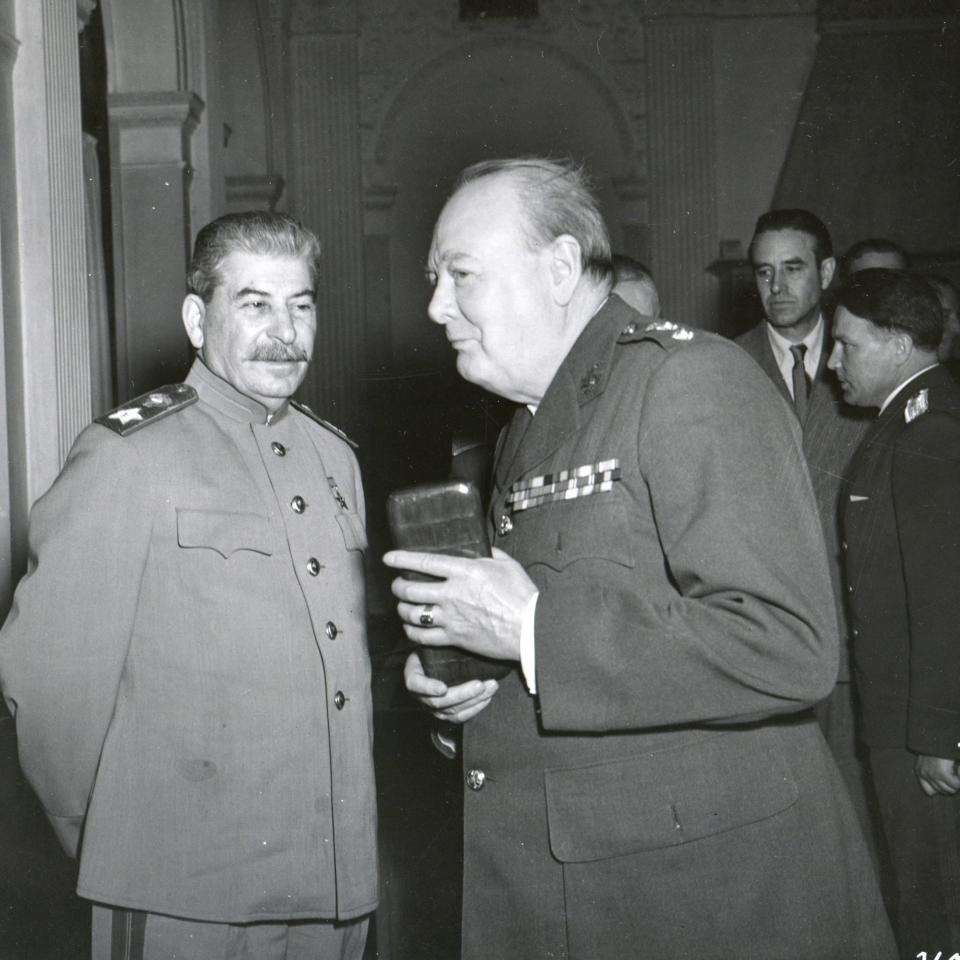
[354, 534]
[223, 531]
[587, 528]
[668, 798]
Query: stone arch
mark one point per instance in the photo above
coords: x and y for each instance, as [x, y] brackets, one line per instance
[418, 86]
[491, 97]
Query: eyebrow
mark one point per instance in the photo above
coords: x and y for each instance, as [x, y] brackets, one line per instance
[791, 261]
[256, 292]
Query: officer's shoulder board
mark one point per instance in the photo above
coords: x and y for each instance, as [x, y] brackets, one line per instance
[307, 412]
[665, 332]
[917, 405]
[148, 408]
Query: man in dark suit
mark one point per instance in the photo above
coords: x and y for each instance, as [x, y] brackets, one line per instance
[901, 520]
[647, 780]
[793, 266]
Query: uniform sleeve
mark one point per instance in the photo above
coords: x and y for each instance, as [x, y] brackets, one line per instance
[926, 501]
[747, 625]
[63, 646]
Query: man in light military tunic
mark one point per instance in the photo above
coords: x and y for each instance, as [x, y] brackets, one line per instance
[901, 527]
[186, 657]
[649, 780]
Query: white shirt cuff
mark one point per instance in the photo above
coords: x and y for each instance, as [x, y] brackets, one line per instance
[528, 650]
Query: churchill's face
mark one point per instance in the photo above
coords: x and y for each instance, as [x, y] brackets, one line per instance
[257, 331]
[492, 291]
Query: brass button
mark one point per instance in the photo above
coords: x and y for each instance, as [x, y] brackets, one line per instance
[313, 566]
[630, 329]
[843, 545]
[855, 632]
[850, 588]
[339, 700]
[504, 525]
[278, 448]
[298, 504]
[331, 630]
[476, 778]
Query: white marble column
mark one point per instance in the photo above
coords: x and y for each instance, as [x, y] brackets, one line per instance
[682, 176]
[323, 162]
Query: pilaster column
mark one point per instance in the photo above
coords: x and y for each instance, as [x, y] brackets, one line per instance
[48, 363]
[325, 193]
[680, 118]
[150, 173]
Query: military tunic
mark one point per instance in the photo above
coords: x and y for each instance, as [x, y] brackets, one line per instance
[186, 661]
[665, 793]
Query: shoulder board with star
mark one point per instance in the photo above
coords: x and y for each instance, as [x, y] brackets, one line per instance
[917, 405]
[307, 412]
[148, 408]
[665, 332]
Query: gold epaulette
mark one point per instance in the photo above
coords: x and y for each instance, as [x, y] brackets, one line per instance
[664, 332]
[148, 408]
[307, 412]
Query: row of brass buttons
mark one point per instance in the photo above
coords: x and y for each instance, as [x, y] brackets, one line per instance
[298, 505]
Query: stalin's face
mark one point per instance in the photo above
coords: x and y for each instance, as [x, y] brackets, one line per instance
[257, 330]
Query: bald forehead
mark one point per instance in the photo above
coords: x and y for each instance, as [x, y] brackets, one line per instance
[489, 209]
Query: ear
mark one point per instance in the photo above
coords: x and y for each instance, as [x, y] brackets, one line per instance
[904, 346]
[193, 313]
[565, 268]
[828, 268]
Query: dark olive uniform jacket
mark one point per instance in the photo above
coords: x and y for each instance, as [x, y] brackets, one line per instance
[186, 661]
[901, 514]
[666, 794]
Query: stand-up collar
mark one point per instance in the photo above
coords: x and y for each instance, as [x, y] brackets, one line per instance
[226, 399]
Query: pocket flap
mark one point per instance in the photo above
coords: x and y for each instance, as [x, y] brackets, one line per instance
[668, 798]
[224, 531]
[354, 534]
[587, 528]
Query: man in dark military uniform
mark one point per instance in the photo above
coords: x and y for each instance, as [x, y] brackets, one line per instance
[186, 656]
[649, 779]
[901, 516]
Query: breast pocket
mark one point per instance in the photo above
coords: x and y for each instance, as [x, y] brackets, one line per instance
[354, 534]
[589, 528]
[224, 532]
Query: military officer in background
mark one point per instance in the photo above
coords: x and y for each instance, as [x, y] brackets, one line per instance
[648, 779]
[186, 657]
[901, 517]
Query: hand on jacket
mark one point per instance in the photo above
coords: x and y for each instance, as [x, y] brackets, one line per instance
[456, 704]
[937, 775]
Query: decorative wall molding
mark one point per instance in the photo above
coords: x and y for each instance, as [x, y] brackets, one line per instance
[254, 191]
[891, 25]
[153, 127]
[411, 92]
[672, 9]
